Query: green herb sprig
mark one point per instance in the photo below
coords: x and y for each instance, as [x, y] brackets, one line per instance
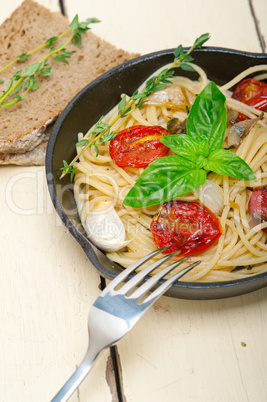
[102, 132]
[198, 152]
[26, 80]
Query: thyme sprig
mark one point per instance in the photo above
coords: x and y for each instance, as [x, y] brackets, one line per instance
[26, 80]
[102, 132]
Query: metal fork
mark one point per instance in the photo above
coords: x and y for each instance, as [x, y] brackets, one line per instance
[116, 311]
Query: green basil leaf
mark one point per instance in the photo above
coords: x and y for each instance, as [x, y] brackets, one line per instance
[227, 163]
[208, 116]
[163, 180]
[186, 146]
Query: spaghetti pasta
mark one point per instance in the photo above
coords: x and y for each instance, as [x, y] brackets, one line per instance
[242, 248]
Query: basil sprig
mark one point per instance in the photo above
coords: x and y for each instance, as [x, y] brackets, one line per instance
[198, 152]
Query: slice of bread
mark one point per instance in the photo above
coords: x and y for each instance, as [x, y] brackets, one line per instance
[23, 126]
[36, 157]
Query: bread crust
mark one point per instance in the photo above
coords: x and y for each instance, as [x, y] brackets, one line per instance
[22, 126]
[36, 157]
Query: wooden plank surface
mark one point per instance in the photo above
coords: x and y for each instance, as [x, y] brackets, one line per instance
[259, 11]
[198, 351]
[47, 286]
[182, 350]
[148, 26]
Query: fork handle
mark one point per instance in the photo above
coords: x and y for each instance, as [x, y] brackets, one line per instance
[77, 377]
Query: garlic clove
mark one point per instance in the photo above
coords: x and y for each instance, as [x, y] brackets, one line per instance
[173, 96]
[104, 227]
[211, 195]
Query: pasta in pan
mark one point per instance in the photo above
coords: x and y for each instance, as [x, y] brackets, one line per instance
[241, 250]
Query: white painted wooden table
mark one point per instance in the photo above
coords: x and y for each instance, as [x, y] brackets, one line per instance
[187, 351]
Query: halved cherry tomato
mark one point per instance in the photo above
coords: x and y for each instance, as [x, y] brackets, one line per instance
[251, 92]
[187, 226]
[138, 146]
[257, 206]
[259, 101]
[247, 89]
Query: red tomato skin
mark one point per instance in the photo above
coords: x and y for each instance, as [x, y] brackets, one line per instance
[131, 147]
[186, 226]
[247, 89]
[257, 206]
[259, 102]
[252, 93]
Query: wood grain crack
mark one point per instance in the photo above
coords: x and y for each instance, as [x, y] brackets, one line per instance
[111, 379]
[118, 373]
[62, 7]
[257, 26]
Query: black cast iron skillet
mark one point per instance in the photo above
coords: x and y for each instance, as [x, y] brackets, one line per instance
[97, 98]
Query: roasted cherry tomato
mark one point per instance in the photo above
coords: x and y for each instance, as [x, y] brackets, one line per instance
[186, 226]
[257, 206]
[247, 89]
[138, 146]
[251, 92]
[259, 101]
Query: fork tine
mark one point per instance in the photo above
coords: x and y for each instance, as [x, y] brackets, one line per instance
[162, 288]
[126, 272]
[142, 274]
[165, 285]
